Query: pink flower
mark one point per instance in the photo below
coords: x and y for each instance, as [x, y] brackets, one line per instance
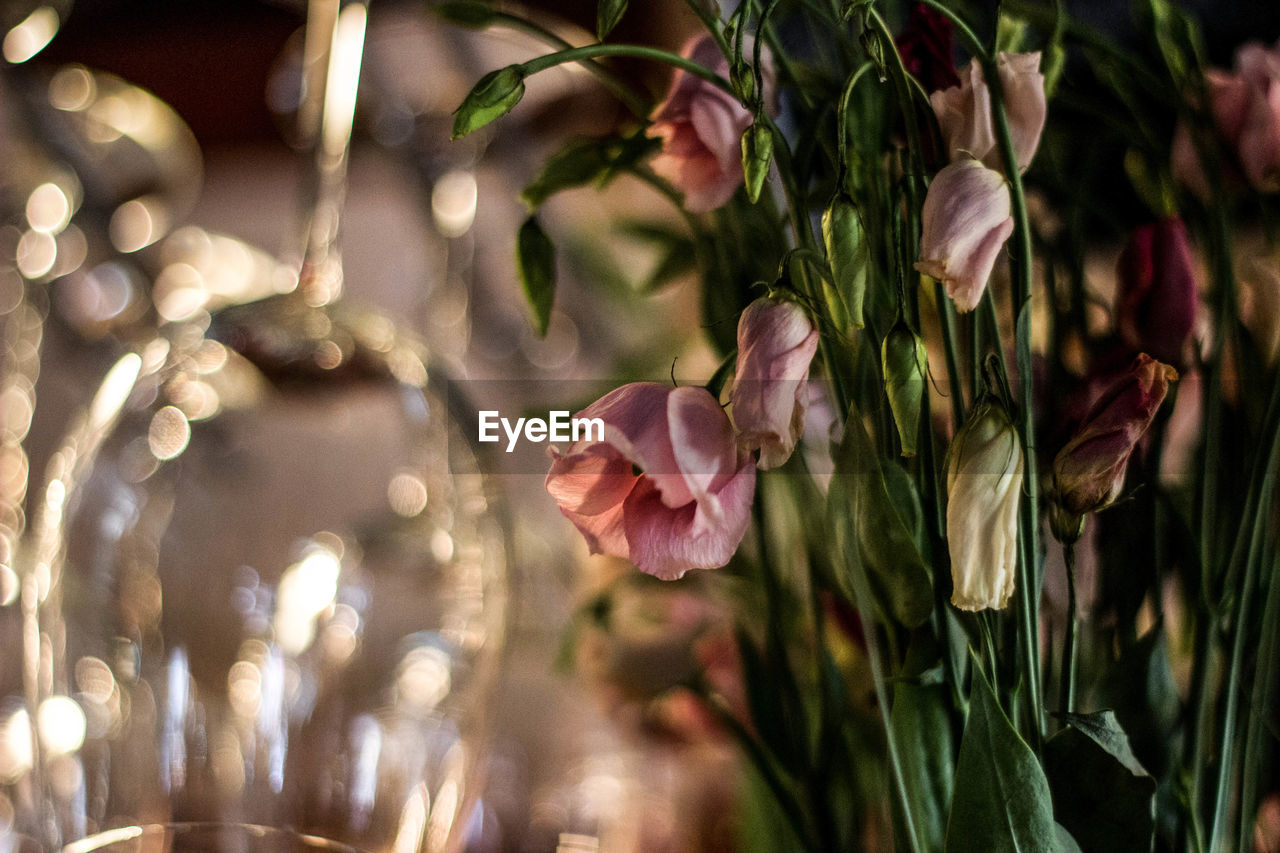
[1157, 298]
[666, 488]
[1088, 473]
[964, 111]
[1245, 106]
[776, 342]
[701, 128]
[966, 222]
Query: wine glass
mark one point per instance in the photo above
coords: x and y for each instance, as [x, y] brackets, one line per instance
[269, 570]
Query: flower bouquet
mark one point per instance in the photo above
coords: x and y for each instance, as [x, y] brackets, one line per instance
[989, 464]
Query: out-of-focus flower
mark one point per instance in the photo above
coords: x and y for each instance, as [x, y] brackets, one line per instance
[966, 222]
[984, 483]
[926, 48]
[1157, 297]
[666, 488]
[964, 111]
[1088, 473]
[776, 343]
[701, 128]
[1245, 106]
[1259, 279]
[1266, 833]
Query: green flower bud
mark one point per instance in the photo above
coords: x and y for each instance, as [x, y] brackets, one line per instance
[847, 248]
[492, 98]
[905, 362]
[757, 153]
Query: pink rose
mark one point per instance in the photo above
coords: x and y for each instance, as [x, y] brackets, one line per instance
[1088, 473]
[964, 111]
[667, 488]
[966, 222]
[701, 128]
[1245, 106]
[1157, 298]
[776, 342]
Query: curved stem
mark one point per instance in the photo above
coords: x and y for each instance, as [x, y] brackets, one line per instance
[976, 48]
[632, 100]
[593, 51]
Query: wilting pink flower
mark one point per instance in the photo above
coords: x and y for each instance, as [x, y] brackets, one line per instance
[984, 484]
[964, 111]
[1157, 296]
[1088, 473]
[966, 222]
[926, 48]
[776, 342]
[701, 128]
[666, 488]
[1245, 106]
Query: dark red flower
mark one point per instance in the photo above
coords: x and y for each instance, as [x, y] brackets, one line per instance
[926, 48]
[1157, 296]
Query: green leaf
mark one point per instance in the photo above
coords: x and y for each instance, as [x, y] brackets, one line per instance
[583, 162]
[471, 14]
[1002, 800]
[905, 362]
[1140, 688]
[921, 726]
[867, 521]
[1101, 793]
[847, 252]
[536, 262]
[1063, 842]
[491, 99]
[757, 154]
[608, 13]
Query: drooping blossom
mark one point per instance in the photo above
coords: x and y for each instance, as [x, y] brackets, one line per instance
[966, 220]
[776, 343]
[701, 128]
[1089, 471]
[666, 488]
[1245, 107]
[1157, 296]
[984, 484]
[964, 111]
[926, 48]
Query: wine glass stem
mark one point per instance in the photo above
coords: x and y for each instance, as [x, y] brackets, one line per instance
[332, 55]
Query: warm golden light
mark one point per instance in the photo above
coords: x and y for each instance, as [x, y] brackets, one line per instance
[31, 35]
[343, 80]
[48, 209]
[453, 203]
[407, 494]
[37, 250]
[169, 433]
[138, 223]
[114, 390]
[61, 724]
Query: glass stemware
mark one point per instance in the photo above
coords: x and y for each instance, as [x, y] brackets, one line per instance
[268, 571]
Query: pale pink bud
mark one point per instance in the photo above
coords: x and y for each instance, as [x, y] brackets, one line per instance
[1089, 471]
[776, 343]
[666, 488]
[966, 222]
[984, 485]
[1245, 106]
[964, 111]
[701, 128]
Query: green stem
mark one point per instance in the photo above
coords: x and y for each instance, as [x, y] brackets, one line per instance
[760, 759]
[593, 51]
[967, 35]
[1067, 688]
[638, 105]
[711, 24]
[1241, 626]
[1020, 255]
[947, 319]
